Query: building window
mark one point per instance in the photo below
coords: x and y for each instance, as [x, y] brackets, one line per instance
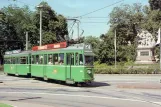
[144, 53]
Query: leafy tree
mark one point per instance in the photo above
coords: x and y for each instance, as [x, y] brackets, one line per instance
[155, 4]
[126, 19]
[17, 22]
[54, 27]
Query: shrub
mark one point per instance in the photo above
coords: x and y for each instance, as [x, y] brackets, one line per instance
[126, 71]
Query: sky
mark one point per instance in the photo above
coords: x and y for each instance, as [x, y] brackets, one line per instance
[93, 24]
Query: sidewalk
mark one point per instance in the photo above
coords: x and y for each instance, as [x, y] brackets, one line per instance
[22, 104]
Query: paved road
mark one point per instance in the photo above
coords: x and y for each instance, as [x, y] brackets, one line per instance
[104, 92]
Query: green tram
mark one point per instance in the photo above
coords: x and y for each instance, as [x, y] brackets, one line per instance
[72, 64]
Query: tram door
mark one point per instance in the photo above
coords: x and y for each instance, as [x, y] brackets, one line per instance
[70, 64]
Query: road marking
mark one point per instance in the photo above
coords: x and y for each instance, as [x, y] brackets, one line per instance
[84, 96]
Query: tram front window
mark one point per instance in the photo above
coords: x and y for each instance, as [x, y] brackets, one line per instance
[89, 60]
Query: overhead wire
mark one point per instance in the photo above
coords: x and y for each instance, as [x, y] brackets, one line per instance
[98, 9]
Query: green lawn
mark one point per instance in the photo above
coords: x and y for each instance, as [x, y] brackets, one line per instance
[4, 105]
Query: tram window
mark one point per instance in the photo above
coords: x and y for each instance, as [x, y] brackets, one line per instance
[41, 59]
[45, 59]
[26, 60]
[37, 59]
[6, 60]
[61, 58]
[80, 59]
[23, 60]
[16, 60]
[33, 60]
[76, 59]
[13, 60]
[56, 59]
[10, 61]
[70, 59]
[50, 59]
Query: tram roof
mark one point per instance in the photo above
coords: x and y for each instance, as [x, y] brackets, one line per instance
[75, 47]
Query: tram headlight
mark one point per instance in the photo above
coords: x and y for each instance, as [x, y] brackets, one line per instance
[89, 71]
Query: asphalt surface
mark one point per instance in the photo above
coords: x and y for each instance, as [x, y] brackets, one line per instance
[105, 91]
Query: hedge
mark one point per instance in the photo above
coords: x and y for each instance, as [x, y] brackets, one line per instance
[126, 71]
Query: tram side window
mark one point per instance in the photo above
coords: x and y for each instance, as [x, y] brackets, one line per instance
[12, 60]
[61, 58]
[26, 60]
[7, 61]
[80, 59]
[41, 57]
[17, 60]
[33, 59]
[76, 58]
[37, 59]
[50, 59]
[22, 60]
[70, 59]
[55, 56]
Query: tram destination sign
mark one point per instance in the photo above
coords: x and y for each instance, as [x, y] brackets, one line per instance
[50, 46]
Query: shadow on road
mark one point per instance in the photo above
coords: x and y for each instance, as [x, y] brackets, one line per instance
[97, 84]
[26, 98]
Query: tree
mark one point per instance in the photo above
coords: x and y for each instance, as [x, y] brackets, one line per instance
[17, 22]
[126, 19]
[155, 4]
[54, 27]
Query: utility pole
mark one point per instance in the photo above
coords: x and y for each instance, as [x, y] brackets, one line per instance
[26, 41]
[115, 47]
[40, 27]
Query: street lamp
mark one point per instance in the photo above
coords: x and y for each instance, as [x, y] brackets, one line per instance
[40, 7]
